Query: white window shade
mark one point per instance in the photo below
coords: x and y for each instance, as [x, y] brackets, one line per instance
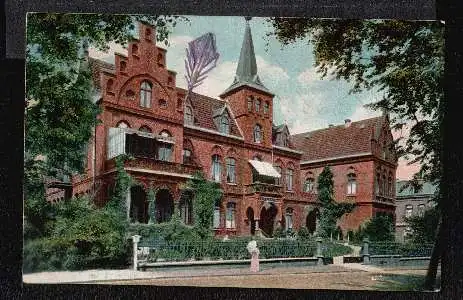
[264, 168]
[116, 142]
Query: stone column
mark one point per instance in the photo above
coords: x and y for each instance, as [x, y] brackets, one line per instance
[319, 241]
[128, 199]
[135, 240]
[365, 253]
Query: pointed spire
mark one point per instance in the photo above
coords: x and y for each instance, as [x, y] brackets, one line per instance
[246, 72]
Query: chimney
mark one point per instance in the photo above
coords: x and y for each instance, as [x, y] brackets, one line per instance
[347, 122]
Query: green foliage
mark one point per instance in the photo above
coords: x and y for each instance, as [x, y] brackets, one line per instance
[81, 237]
[330, 211]
[151, 197]
[279, 232]
[379, 228]
[123, 182]
[206, 194]
[424, 227]
[303, 233]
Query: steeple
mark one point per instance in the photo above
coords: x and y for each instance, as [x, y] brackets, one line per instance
[246, 72]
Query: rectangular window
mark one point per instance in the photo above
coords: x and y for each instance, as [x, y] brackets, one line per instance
[230, 217]
[216, 169]
[165, 152]
[231, 176]
[408, 211]
[249, 104]
[216, 217]
[278, 180]
[289, 221]
[289, 180]
[257, 105]
[266, 107]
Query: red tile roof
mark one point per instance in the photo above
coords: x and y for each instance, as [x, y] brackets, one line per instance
[338, 140]
[203, 110]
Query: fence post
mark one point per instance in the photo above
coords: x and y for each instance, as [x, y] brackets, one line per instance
[366, 254]
[319, 251]
[135, 240]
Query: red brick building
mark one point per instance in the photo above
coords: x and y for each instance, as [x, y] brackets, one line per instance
[263, 170]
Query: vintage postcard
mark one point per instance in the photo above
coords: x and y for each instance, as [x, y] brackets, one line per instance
[232, 151]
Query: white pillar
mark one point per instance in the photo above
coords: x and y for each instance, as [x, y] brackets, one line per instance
[128, 199]
[257, 225]
[135, 240]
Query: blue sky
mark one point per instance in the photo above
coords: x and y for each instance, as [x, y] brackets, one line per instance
[302, 100]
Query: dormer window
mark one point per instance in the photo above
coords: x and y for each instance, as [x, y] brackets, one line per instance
[109, 86]
[257, 133]
[188, 117]
[123, 66]
[145, 94]
[224, 125]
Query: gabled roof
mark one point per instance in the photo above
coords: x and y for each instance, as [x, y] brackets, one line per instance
[338, 141]
[204, 110]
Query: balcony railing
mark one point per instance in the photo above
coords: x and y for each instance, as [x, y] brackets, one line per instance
[156, 165]
[259, 187]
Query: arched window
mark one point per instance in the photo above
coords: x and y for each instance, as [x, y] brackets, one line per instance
[257, 133]
[187, 156]
[309, 184]
[216, 168]
[351, 184]
[224, 125]
[165, 149]
[278, 180]
[188, 117]
[231, 170]
[230, 217]
[289, 219]
[289, 179]
[145, 129]
[123, 124]
[145, 94]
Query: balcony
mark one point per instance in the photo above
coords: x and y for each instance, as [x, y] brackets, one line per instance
[264, 188]
[156, 165]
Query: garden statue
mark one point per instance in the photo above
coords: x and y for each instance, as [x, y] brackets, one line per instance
[254, 251]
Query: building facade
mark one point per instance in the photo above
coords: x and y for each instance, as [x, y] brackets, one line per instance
[411, 201]
[262, 169]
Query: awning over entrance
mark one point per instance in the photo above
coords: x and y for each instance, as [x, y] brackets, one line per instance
[264, 168]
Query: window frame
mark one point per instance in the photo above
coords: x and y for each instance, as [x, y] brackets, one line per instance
[216, 168]
[289, 179]
[257, 134]
[224, 127]
[351, 184]
[230, 216]
[231, 169]
[146, 94]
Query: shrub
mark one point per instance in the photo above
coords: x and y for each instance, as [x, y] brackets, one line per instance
[303, 233]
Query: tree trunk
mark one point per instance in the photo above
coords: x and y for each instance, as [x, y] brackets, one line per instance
[430, 280]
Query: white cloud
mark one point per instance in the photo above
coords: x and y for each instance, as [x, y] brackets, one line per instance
[361, 113]
[107, 56]
[311, 76]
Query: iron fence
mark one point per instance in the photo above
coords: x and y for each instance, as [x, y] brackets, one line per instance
[396, 248]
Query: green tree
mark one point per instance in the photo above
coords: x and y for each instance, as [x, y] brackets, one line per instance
[424, 226]
[402, 59]
[330, 210]
[206, 195]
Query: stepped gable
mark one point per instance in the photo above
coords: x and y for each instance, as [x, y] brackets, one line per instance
[338, 141]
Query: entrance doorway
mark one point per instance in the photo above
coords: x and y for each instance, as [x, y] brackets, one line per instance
[252, 222]
[311, 221]
[138, 205]
[164, 206]
[267, 219]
